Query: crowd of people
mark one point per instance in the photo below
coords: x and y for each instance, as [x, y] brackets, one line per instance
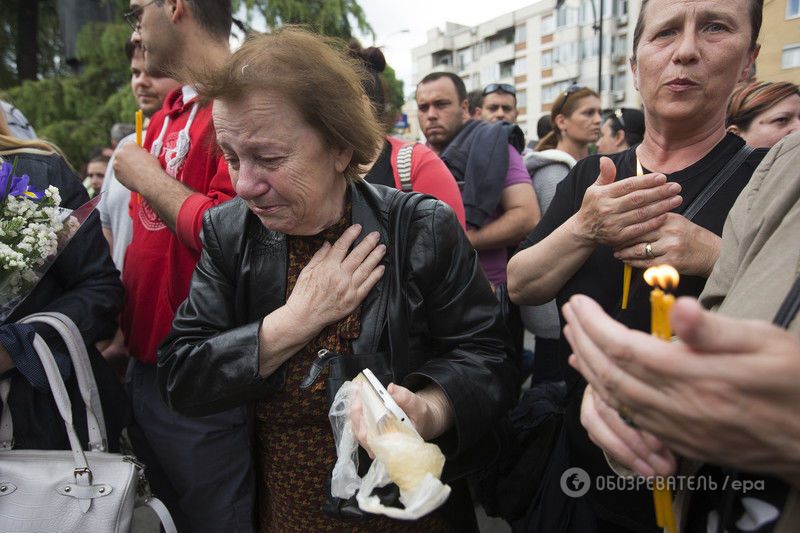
[269, 221]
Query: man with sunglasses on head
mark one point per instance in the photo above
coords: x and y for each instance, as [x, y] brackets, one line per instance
[200, 467]
[499, 103]
[499, 201]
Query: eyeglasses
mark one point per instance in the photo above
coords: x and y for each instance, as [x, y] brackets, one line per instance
[134, 16]
[571, 89]
[494, 87]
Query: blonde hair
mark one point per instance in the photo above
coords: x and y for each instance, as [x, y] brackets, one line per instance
[10, 145]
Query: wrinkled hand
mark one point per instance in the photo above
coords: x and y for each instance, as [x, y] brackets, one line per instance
[428, 410]
[679, 242]
[132, 164]
[613, 213]
[335, 282]
[727, 393]
[632, 448]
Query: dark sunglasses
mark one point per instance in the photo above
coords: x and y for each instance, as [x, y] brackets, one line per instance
[134, 16]
[571, 89]
[494, 87]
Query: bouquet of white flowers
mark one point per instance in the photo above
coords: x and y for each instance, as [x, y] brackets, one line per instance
[34, 229]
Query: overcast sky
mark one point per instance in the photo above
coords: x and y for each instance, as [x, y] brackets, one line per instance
[389, 17]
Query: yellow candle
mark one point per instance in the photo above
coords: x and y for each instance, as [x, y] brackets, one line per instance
[139, 123]
[656, 300]
[627, 270]
[666, 305]
[662, 277]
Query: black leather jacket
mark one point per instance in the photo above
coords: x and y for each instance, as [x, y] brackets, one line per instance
[209, 361]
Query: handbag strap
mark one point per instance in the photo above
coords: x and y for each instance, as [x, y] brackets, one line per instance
[717, 182]
[162, 513]
[404, 166]
[59, 391]
[789, 307]
[87, 385]
[404, 207]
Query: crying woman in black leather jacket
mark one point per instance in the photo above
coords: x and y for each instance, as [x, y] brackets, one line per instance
[299, 262]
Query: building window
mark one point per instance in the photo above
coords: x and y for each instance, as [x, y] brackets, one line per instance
[791, 56]
[507, 69]
[792, 8]
[567, 53]
[548, 25]
[547, 59]
[521, 67]
[522, 99]
[566, 17]
[464, 58]
[521, 34]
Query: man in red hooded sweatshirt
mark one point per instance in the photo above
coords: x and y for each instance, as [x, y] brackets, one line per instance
[200, 467]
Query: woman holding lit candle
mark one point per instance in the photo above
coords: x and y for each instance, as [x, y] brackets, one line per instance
[685, 63]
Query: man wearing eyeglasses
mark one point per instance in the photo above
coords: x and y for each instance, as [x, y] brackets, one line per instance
[200, 467]
[499, 103]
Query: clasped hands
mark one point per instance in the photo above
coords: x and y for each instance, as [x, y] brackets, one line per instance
[630, 214]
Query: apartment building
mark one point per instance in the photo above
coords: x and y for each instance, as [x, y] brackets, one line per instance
[779, 59]
[541, 50]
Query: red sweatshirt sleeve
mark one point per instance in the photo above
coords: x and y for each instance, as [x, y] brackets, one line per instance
[190, 217]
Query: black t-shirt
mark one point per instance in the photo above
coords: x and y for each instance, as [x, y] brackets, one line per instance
[600, 277]
[381, 172]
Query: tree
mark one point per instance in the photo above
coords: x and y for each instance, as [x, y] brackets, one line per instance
[328, 17]
[76, 111]
[30, 45]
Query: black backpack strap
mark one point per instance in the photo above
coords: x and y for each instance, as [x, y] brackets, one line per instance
[719, 180]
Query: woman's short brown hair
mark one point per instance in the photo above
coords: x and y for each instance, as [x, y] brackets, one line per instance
[752, 98]
[312, 72]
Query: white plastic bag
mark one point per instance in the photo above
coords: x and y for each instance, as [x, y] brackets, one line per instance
[401, 456]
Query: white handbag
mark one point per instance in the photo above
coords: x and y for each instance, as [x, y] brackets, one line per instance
[69, 490]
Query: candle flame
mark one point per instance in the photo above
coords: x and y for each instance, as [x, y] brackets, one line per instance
[663, 276]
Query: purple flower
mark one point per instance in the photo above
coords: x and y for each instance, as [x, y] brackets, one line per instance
[19, 186]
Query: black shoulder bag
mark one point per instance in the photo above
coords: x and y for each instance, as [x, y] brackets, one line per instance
[384, 365]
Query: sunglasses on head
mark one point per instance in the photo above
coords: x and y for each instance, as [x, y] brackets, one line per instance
[571, 89]
[618, 114]
[494, 87]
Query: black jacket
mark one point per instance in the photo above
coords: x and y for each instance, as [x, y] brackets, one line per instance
[209, 361]
[84, 285]
[478, 158]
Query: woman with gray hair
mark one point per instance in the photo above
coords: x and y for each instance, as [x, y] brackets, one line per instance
[302, 261]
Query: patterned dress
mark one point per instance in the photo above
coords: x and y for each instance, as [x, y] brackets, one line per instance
[294, 437]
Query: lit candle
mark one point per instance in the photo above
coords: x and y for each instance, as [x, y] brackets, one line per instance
[627, 270]
[662, 278]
